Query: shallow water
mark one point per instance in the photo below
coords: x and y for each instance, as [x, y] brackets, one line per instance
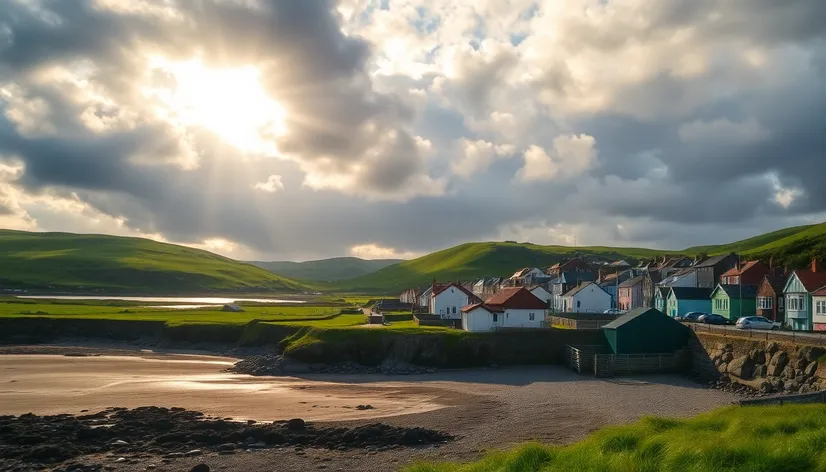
[53, 384]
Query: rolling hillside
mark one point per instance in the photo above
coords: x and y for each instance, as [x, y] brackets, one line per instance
[63, 261]
[326, 270]
[792, 247]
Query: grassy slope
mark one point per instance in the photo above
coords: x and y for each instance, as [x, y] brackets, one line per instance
[337, 268]
[793, 247]
[72, 261]
[789, 438]
[479, 259]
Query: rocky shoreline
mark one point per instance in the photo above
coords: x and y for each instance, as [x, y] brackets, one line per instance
[274, 364]
[32, 442]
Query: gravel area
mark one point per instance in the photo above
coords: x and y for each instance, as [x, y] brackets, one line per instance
[484, 409]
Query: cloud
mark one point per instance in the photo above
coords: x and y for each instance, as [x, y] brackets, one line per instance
[571, 156]
[374, 251]
[412, 126]
[272, 185]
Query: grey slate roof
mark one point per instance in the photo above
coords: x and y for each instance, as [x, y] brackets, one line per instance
[734, 291]
[692, 293]
[578, 288]
[632, 282]
[712, 261]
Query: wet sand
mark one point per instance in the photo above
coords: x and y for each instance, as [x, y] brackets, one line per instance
[54, 384]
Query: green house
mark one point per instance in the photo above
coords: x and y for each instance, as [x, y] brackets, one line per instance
[734, 301]
[645, 331]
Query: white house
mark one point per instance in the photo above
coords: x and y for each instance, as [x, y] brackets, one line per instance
[447, 300]
[587, 297]
[424, 297]
[542, 294]
[512, 307]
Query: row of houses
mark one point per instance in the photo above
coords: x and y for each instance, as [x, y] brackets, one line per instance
[673, 285]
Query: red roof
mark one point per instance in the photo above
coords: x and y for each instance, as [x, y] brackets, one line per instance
[820, 293]
[811, 280]
[439, 288]
[515, 298]
[739, 271]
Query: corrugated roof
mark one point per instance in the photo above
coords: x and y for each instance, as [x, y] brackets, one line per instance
[630, 316]
[692, 293]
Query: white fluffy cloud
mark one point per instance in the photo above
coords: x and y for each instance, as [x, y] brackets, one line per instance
[571, 156]
[411, 124]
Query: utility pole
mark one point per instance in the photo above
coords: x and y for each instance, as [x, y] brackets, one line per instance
[740, 283]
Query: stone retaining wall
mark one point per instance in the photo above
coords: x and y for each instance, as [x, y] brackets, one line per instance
[770, 367]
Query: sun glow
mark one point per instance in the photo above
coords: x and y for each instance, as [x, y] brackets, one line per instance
[230, 102]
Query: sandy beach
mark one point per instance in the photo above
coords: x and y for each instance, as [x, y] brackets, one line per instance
[485, 409]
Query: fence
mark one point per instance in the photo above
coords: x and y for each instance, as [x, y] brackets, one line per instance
[572, 323]
[797, 337]
[436, 320]
[593, 359]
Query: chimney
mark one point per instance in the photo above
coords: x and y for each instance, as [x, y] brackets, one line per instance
[814, 265]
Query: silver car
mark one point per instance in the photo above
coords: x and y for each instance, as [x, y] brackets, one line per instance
[756, 322]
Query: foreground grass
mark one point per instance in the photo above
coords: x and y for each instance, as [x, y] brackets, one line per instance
[789, 438]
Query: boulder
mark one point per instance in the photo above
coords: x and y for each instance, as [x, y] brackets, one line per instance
[810, 369]
[760, 371]
[777, 384]
[758, 356]
[811, 353]
[728, 347]
[296, 424]
[766, 387]
[800, 363]
[727, 357]
[788, 373]
[722, 368]
[200, 468]
[772, 348]
[778, 363]
[742, 367]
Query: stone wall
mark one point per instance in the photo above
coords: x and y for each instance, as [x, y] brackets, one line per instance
[769, 366]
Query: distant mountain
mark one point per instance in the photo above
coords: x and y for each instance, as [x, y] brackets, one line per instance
[64, 261]
[791, 247]
[326, 270]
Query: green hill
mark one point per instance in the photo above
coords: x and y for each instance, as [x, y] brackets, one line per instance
[473, 260]
[791, 247]
[64, 261]
[326, 270]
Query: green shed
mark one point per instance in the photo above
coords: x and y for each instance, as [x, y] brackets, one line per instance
[645, 331]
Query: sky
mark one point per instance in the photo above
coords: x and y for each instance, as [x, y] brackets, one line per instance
[286, 129]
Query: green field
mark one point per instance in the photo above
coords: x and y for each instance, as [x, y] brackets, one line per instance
[326, 270]
[302, 315]
[790, 438]
[63, 261]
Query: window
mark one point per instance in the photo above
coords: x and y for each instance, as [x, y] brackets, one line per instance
[495, 318]
[578, 303]
[531, 317]
[765, 303]
[454, 310]
[820, 307]
[796, 303]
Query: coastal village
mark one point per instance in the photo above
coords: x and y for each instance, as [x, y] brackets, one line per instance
[721, 285]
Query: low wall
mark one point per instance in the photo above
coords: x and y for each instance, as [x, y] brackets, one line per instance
[573, 323]
[816, 397]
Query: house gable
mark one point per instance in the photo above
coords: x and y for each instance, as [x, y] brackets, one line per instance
[794, 285]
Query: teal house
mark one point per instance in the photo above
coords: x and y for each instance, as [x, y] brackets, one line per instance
[734, 301]
[683, 300]
[660, 298]
[645, 331]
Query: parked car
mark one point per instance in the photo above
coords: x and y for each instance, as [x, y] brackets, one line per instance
[692, 316]
[613, 311]
[756, 322]
[714, 319]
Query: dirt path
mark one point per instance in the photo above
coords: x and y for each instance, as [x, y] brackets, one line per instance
[485, 409]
